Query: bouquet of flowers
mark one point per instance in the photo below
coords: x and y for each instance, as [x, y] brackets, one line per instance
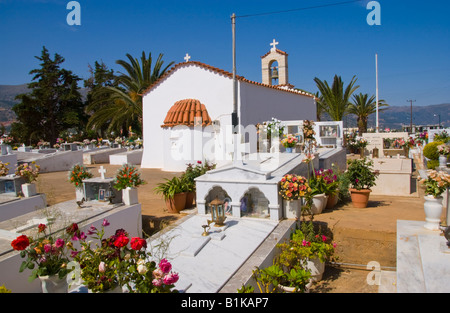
[293, 187]
[435, 183]
[399, 143]
[361, 143]
[308, 130]
[290, 141]
[45, 254]
[27, 171]
[443, 149]
[77, 174]
[128, 176]
[274, 128]
[7, 140]
[422, 138]
[4, 168]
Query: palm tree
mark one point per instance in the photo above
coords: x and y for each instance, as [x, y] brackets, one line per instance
[335, 100]
[125, 101]
[363, 107]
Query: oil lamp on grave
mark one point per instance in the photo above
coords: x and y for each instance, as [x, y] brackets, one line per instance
[217, 212]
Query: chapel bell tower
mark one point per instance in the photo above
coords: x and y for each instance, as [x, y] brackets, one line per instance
[275, 66]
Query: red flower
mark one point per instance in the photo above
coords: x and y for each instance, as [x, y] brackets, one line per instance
[121, 241]
[41, 227]
[20, 243]
[72, 228]
[137, 243]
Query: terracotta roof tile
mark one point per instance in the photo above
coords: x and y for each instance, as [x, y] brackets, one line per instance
[185, 112]
[225, 73]
[277, 50]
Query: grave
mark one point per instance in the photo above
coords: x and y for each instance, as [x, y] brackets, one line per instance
[206, 263]
[423, 259]
[12, 206]
[377, 140]
[100, 156]
[60, 215]
[52, 162]
[101, 189]
[133, 157]
[395, 178]
[11, 185]
[6, 156]
[250, 187]
[69, 146]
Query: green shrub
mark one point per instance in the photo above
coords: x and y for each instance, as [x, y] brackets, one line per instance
[432, 164]
[430, 151]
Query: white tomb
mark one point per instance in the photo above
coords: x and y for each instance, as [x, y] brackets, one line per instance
[250, 187]
[100, 156]
[132, 157]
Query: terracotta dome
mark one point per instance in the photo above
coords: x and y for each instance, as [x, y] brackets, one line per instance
[184, 112]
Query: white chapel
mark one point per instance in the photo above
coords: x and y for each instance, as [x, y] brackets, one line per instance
[187, 112]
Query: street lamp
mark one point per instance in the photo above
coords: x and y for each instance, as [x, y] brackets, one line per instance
[439, 119]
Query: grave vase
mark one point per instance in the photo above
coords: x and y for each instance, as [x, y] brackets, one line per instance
[28, 190]
[79, 194]
[318, 203]
[442, 161]
[433, 211]
[316, 267]
[130, 196]
[292, 208]
[53, 284]
[289, 150]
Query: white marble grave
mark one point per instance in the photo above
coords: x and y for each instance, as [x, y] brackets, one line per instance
[394, 178]
[100, 156]
[61, 215]
[422, 264]
[206, 263]
[133, 157]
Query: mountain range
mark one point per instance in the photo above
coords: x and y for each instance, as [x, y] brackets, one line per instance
[394, 117]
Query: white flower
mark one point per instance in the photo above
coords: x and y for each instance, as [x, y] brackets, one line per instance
[142, 269]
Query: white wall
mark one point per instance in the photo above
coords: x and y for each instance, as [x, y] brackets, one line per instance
[190, 82]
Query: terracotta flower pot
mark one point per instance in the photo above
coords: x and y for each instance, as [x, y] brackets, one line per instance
[360, 198]
[177, 203]
[190, 196]
[331, 202]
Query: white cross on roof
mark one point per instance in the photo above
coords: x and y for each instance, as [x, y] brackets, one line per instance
[187, 57]
[274, 45]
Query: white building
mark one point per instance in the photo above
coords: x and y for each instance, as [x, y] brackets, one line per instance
[189, 90]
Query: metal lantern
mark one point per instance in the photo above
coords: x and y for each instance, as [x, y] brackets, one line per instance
[375, 153]
[217, 212]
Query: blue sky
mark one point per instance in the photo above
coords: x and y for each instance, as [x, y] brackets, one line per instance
[412, 42]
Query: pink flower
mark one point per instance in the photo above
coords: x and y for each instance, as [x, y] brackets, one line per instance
[48, 248]
[165, 266]
[59, 243]
[157, 282]
[157, 273]
[170, 279]
[102, 267]
[105, 222]
[324, 238]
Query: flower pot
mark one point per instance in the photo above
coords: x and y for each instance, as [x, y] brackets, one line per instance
[316, 268]
[287, 289]
[79, 194]
[289, 150]
[433, 211]
[177, 203]
[360, 198]
[28, 190]
[130, 196]
[318, 203]
[190, 197]
[442, 161]
[53, 284]
[331, 202]
[292, 208]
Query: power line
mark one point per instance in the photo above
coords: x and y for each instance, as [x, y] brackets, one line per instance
[299, 9]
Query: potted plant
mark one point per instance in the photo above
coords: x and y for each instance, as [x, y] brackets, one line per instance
[444, 151]
[307, 248]
[319, 191]
[4, 170]
[46, 256]
[289, 142]
[435, 184]
[128, 179]
[30, 173]
[361, 144]
[292, 189]
[332, 185]
[174, 193]
[361, 177]
[76, 176]
[274, 279]
[190, 174]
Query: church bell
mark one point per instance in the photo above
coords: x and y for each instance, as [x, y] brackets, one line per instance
[274, 73]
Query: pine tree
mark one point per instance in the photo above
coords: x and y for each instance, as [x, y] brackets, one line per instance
[53, 105]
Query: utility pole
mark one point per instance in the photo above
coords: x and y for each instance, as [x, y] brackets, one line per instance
[411, 101]
[234, 116]
[376, 90]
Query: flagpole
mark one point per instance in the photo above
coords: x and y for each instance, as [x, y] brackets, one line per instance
[376, 92]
